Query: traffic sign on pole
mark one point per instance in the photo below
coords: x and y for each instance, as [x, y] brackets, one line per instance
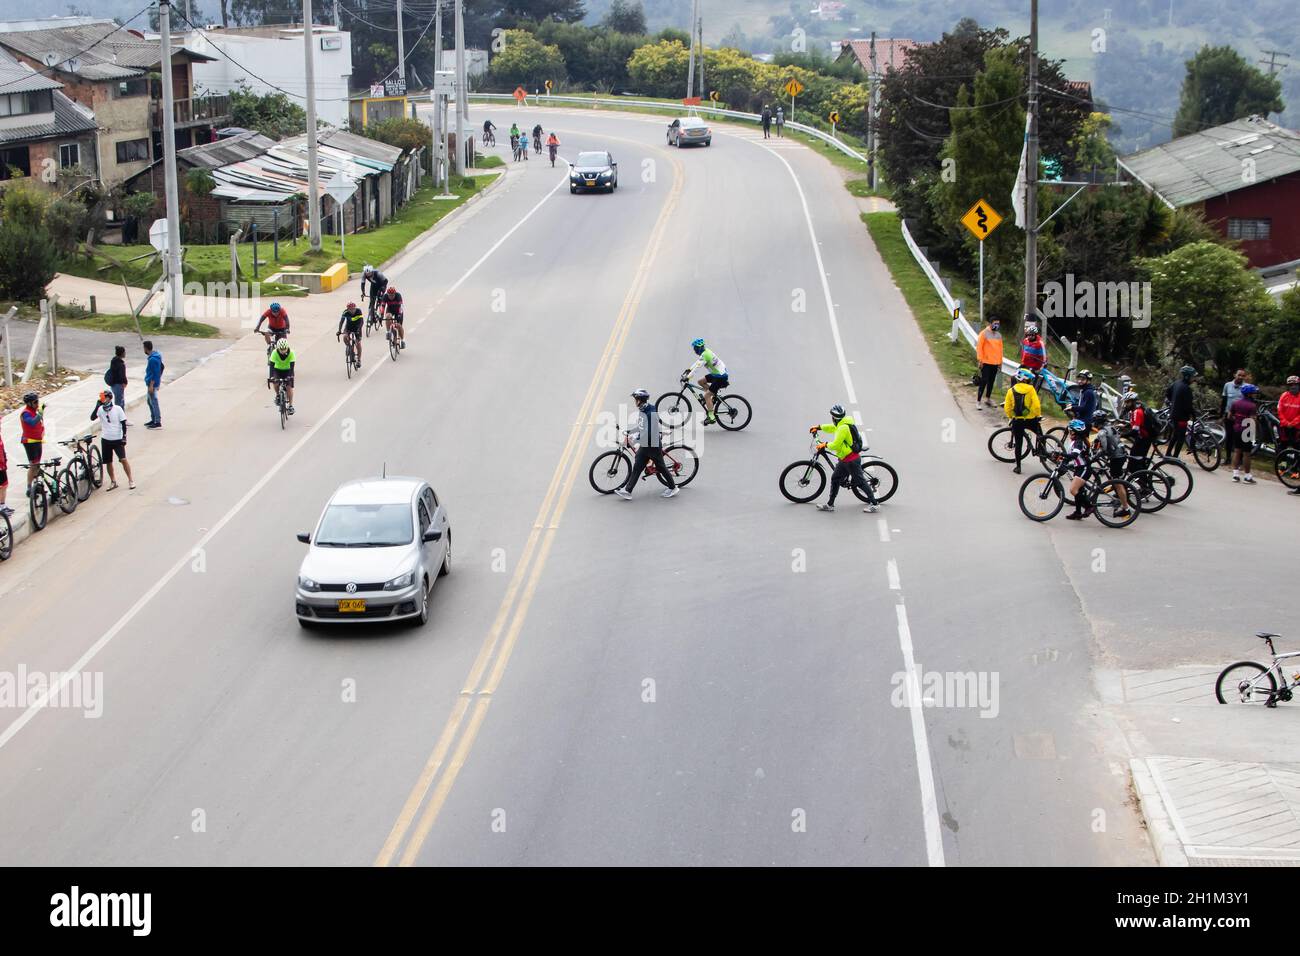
[981, 219]
[794, 87]
[549, 84]
[714, 96]
[520, 94]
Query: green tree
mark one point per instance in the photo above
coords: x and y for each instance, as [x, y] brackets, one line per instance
[271, 114]
[28, 257]
[1274, 351]
[526, 60]
[625, 16]
[1220, 87]
[1204, 298]
[405, 133]
[66, 221]
[659, 69]
[1090, 146]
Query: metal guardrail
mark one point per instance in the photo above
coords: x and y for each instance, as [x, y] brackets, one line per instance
[678, 108]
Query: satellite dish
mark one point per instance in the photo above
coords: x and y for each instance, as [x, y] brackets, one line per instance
[72, 64]
[50, 59]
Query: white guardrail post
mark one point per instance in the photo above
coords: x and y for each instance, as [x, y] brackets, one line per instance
[843, 147]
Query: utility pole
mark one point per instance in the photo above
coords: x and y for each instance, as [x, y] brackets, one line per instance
[439, 143]
[401, 46]
[690, 65]
[172, 254]
[1273, 65]
[338, 24]
[699, 29]
[1031, 177]
[461, 108]
[873, 105]
[313, 173]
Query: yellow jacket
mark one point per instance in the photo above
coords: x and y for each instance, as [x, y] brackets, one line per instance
[1033, 407]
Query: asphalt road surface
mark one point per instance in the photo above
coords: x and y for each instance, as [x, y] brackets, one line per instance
[720, 678]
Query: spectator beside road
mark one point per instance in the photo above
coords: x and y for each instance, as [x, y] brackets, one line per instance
[115, 377]
[1241, 423]
[780, 121]
[153, 372]
[33, 422]
[112, 437]
[4, 481]
[988, 350]
[1231, 392]
[767, 121]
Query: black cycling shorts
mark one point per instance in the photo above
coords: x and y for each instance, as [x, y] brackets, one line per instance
[394, 317]
[4, 477]
[282, 373]
[716, 382]
[354, 326]
[33, 449]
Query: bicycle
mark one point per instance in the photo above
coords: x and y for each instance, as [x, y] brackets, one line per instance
[732, 412]
[55, 484]
[1248, 682]
[86, 465]
[804, 480]
[349, 351]
[611, 469]
[6, 538]
[537, 146]
[1043, 495]
[373, 320]
[489, 138]
[282, 400]
[553, 151]
[394, 345]
[1002, 445]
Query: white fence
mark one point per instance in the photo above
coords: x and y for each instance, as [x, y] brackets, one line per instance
[616, 102]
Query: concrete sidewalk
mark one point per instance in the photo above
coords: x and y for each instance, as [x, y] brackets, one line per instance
[1219, 785]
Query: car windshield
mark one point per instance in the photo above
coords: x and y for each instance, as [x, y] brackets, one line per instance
[692, 122]
[593, 159]
[365, 526]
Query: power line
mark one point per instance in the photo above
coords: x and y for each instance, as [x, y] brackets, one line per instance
[49, 70]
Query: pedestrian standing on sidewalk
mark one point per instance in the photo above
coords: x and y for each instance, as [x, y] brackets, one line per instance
[112, 437]
[33, 422]
[153, 371]
[1242, 420]
[988, 350]
[780, 121]
[4, 481]
[115, 377]
[646, 432]
[767, 121]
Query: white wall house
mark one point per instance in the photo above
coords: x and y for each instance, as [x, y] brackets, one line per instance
[269, 57]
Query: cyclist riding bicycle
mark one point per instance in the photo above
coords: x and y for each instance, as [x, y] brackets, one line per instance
[488, 127]
[277, 323]
[537, 138]
[378, 283]
[847, 446]
[1077, 462]
[715, 379]
[279, 367]
[1024, 410]
[392, 303]
[553, 145]
[350, 325]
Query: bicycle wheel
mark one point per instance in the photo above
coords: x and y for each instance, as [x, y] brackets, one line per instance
[733, 412]
[1049, 451]
[674, 409]
[80, 473]
[392, 346]
[1287, 467]
[610, 471]
[1059, 434]
[96, 462]
[803, 481]
[1206, 451]
[67, 492]
[1109, 505]
[683, 462]
[1002, 446]
[348, 360]
[882, 478]
[1153, 489]
[1245, 682]
[6, 538]
[1041, 497]
[283, 402]
[1180, 477]
[38, 505]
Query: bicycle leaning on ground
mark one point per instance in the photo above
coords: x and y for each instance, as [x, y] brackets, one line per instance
[804, 480]
[611, 469]
[1248, 682]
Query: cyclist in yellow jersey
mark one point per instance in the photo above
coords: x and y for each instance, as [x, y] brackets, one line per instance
[280, 368]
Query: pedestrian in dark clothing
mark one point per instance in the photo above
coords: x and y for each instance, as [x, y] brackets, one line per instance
[1087, 403]
[651, 447]
[153, 381]
[767, 121]
[115, 377]
[1182, 408]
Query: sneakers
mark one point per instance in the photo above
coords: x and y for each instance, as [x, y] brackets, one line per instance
[403, 343]
[670, 492]
[1294, 491]
[111, 487]
[1075, 515]
[289, 409]
[6, 511]
[825, 507]
[623, 493]
[131, 486]
[1248, 478]
[1236, 475]
[871, 509]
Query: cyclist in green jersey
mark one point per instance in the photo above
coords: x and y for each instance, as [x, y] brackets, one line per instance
[715, 378]
[279, 367]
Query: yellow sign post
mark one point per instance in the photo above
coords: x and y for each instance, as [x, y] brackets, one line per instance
[794, 88]
[549, 84]
[835, 119]
[981, 219]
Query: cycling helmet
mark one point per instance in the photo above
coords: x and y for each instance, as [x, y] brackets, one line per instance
[1031, 328]
[1129, 396]
[351, 306]
[282, 346]
[31, 398]
[367, 270]
[1187, 371]
[1099, 418]
[1084, 373]
[698, 346]
[275, 306]
[1293, 380]
[105, 397]
[1078, 425]
[837, 411]
[641, 395]
[1024, 375]
[1249, 389]
[391, 293]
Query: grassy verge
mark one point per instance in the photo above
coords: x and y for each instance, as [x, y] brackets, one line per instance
[212, 263]
[148, 325]
[487, 162]
[861, 189]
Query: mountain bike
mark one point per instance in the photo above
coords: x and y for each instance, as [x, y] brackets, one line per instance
[6, 538]
[489, 138]
[732, 411]
[1247, 682]
[804, 480]
[1287, 467]
[56, 484]
[86, 465]
[1042, 496]
[611, 469]
[1002, 445]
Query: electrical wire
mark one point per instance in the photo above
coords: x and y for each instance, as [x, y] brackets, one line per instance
[49, 70]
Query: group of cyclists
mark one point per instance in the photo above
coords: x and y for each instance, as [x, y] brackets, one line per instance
[520, 140]
[385, 308]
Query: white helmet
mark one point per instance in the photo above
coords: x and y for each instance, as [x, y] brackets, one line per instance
[367, 270]
[282, 346]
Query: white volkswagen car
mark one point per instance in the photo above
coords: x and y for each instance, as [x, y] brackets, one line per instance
[377, 550]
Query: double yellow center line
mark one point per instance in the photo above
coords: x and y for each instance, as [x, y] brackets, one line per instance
[458, 734]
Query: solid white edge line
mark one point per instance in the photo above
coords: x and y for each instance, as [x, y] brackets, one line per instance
[67, 676]
[929, 800]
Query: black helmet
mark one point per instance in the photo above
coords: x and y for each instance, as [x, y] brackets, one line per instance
[30, 398]
[837, 411]
[1099, 418]
[1187, 371]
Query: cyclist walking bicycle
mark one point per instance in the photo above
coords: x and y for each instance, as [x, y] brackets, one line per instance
[846, 445]
[1025, 412]
[650, 447]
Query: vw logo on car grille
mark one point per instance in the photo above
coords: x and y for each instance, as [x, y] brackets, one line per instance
[351, 588]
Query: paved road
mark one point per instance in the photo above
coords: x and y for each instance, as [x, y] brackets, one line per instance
[713, 679]
[91, 350]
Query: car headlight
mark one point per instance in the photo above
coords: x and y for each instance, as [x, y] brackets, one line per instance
[307, 584]
[399, 582]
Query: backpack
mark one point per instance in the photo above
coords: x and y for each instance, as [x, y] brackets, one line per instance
[1019, 408]
[855, 443]
[1150, 427]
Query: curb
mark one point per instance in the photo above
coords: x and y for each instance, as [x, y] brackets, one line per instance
[1160, 828]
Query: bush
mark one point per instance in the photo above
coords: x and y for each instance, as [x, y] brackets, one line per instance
[1274, 351]
[67, 221]
[28, 261]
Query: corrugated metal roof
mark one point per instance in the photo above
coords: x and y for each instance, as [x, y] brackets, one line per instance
[104, 52]
[362, 146]
[223, 152]
[70, 119]
[17, 77]
[1202, 165]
